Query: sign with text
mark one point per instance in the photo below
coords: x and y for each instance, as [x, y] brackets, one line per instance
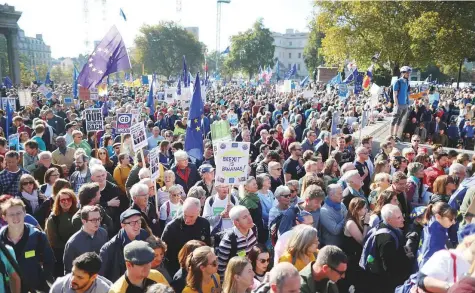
[45, 91]
[153, 158]
[232, 162]
[4, 101]
[25, 97]
[170, 95]
[14, 141]
[124, 122]
[94, 121]
[68, 101]
[139, 137]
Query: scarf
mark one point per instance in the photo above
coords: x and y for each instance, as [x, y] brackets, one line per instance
[250, 201]
[332, 204]
[32, 199]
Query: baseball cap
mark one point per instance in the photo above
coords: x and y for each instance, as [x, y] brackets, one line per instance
[206, 168]
[129, 213]
[139, 253]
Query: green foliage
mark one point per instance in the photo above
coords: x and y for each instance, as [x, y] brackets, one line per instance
[61, 75]
[312, 51]
[251, 49]
[414, 33]
[161, 49]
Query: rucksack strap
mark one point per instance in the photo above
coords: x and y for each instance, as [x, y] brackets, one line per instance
[168, 210]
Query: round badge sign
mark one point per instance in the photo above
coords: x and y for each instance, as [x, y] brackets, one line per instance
[124, 119]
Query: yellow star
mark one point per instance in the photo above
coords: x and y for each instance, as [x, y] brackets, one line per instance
[198, 128]
[196, 120]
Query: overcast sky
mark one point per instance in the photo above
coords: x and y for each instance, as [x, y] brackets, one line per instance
[62, 22]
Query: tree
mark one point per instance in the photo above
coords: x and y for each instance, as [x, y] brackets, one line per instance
[161, 49]
[412, 33]
[251, 49]
[312, 55]
[60, 75]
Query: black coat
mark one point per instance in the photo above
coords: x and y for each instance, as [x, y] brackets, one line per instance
[152, 219]
[192, 179]
[176, 234]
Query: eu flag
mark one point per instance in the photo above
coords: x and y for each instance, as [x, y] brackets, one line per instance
[9, 118]
[186, 78]
[178, 87]
[7, 82]
[47, 78]
[75, 82]
[109, 56]
[150, 100]
[291, 72]
[194, 133]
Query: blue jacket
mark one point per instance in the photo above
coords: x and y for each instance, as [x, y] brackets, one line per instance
[468, 131]
[434, 237]
[112, 255]
[453, 132]
[32, 249]
[288, 219]
[402, 87]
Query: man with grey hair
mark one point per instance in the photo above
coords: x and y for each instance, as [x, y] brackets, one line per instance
[354, 182]
[362, 154]
[189, 226]
[345, 168]
[329, 267]
[458, 171]
[44, 163]
[238, 240]
[333, 217]
[141, 203]
[389, 254]
[282, 195]
[415, 188]
[283, 278]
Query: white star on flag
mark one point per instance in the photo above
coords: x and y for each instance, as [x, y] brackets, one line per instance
[90, 60]
[94, 69]
[90, 64]
[100, 72]
[99, 49]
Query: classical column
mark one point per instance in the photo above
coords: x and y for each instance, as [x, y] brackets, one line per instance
[13, 56]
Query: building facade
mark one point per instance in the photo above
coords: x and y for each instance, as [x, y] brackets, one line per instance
[289, 51]
[34, 49]
[195, 31]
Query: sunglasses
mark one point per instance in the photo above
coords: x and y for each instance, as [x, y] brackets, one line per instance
[285, 195]
[28, 182]
[65, 200]
[262, 260]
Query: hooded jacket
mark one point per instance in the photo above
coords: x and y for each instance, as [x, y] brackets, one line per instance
[63, 285]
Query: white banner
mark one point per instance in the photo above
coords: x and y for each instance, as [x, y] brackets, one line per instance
[232, 162]
[170, 95]
[287, 86]
[139, 137]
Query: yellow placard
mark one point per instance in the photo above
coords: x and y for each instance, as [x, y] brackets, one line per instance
[30, 253]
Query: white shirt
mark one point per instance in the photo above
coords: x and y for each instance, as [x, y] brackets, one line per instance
[49, 190]
[441, 266]
[212, 213]
[172, 208]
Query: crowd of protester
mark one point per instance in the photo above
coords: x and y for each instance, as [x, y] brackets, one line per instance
[319, 211]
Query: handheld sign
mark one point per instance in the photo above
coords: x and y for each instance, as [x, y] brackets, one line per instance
[170, 95]
[232, 162]
[68, 101]
[139, 137]
[4, 101]
[153, 157]
[94, 121]
[135, 115]
[124, 122]
[13, 141]
[25, 97]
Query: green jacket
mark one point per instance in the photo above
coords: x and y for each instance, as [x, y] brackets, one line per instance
[83, 145]
[309, 285]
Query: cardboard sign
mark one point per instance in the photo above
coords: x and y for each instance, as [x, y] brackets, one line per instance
[84, 94]
[232, 162]
[139, 137]
[68, 101]
[94, 120]
[25, 97]
[4, 101]
[45, 91]
[170, 95]
[94, 94]
[153, 158]
[124, 122]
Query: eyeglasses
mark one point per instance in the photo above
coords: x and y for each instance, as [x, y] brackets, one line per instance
[262, 260]
[337, 271]
[134, 223]
[28, 182]
[96, 220]
[66, 200]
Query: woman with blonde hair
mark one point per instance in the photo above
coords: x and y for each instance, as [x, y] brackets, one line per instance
[202, 265]
[331, 172]
[381, 166]
[289, 137]
[122, 171]
[179, 279]
[302, 247]
[59, 227]
[169, 181]
[239, 276]
[381, 182]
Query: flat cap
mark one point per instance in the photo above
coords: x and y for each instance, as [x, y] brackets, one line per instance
[139, 253]
[129, 213]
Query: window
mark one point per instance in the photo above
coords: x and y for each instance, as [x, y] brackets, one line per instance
[298, 66]
[290, 65]
[290, 55]
[300, 55]
[290, 44]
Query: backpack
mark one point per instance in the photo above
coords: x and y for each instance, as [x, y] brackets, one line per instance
[391, 91]
[274, 227]
[211, 201]
[368, 261]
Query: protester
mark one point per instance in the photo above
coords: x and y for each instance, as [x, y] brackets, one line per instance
[202, 276]
[283, 277]
[140, 194]
[333, 217]
[179, 279]
[302, 247]
[239, 275]
[10, 176]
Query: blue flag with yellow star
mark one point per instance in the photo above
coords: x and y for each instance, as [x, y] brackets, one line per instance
[194, 133]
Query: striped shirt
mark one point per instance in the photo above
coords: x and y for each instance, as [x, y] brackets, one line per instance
[244, 243]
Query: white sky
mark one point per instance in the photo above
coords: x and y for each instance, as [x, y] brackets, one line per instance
[63, 27]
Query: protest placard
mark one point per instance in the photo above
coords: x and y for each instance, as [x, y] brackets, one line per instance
[139, 137]
[124, 122]
[94, 121]
[434, 97]
[45, 91]
[170, 95]
[374, 91]
[135, 115]
[13, 141]
[343, 91]
[153, 158]
[68, 101]
[220, 131]
[232, 162]
[308, 94]
[101, 90]
[25, 97]
[287, 86]
[94, 93]
[84, 94]
[4, 101]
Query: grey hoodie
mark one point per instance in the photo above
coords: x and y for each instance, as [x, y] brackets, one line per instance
[63, 285]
